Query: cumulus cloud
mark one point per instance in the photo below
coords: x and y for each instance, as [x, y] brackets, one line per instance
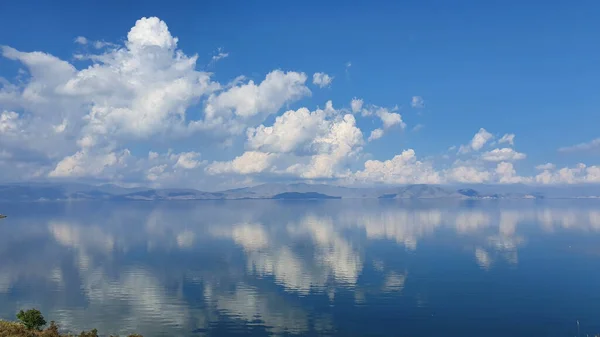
[580, 174]
[291, 131]
[402, 169]
[249, 99]
[589, 146]
[467, 174]
[155, 172]
[322, 80]
[547, 166]
[137, 90]
[375, 134]
[504, 154]
[248, 163]
[301, 143]
[508, 175]
[131, 92]
[80, 120]
[83, 164]
[187, 160]
[405, 168]
[150, 32]
[168, 168]
[340, 143]
[390, 119]
[356, 104]
[141, 89]
[417, 102]
[9, 121]
[480, 138]
[478, 141]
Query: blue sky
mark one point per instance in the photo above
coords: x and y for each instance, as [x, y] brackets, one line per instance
[512, 68]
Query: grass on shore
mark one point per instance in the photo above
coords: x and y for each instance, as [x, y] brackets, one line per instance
[14, 329]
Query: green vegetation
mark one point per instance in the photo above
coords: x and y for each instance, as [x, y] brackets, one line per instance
[31, 323]
[32, 319]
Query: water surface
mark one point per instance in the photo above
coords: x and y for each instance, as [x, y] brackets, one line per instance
[337, 267]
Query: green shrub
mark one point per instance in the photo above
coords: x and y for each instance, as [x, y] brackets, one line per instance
[32, 319]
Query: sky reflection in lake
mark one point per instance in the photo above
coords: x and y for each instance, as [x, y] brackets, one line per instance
[261, 267]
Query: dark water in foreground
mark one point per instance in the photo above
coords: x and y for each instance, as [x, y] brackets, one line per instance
[347, 268]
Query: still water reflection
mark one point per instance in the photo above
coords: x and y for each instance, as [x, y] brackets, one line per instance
[347, 268]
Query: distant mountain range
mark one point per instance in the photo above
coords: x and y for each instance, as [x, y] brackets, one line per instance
[63, 192]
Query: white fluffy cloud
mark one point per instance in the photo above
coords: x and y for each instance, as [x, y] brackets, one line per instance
[390, 119]
[83, 164]
[9, 122]
[248, 163]
[356, 104]
[249, 99]
[406, 169]
[402, 169]
[342, 142]
[294, 130]
[508, 175]
[478, 141]
[322, 80]
[375, 134]
[98, 116]
[300, 143]
[132, 93]
[504, 154]
[467, 174]
[480, 138]
[188, 160]
[580, 174]
[547, 166]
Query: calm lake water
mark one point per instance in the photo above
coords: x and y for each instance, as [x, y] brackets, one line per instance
[346, 268]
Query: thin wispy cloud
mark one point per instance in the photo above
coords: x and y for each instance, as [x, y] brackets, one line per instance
[592, 145]
[220, 55]
[417, 102]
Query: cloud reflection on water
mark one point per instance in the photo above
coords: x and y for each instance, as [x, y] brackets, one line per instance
[159, 267]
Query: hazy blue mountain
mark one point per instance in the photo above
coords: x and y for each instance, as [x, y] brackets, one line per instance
[75, 191]
[170, 194]
[57, 191]
[299, 195]
[270, 190]
[420, 191]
